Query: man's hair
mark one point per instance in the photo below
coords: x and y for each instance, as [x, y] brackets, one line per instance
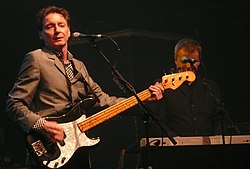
[189, 45]
[48, 10]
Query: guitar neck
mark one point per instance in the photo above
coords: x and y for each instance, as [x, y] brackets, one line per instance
[112, 111]
[172, 81]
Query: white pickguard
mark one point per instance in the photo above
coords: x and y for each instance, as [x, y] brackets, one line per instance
[74, 139]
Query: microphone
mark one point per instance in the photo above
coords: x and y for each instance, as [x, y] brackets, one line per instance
[184, 59]
[78, 35]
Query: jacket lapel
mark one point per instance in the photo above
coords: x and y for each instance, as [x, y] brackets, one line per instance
[78, 75]
[58, 64]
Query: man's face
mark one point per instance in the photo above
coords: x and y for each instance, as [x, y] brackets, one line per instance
[55, 31]
[186, 66]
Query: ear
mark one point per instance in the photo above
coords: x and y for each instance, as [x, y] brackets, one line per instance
[69, 32]
[175, 59]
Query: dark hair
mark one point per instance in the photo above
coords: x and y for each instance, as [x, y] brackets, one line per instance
[189, 45]
[48, 10]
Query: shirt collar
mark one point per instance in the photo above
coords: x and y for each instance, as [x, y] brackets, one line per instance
[59, 54]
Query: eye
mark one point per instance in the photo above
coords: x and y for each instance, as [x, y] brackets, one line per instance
[48, 26]
[62, 25]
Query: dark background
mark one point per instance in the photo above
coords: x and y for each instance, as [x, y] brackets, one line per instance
[146, 32]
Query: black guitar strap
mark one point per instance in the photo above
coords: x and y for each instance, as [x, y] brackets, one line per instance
[89, 89]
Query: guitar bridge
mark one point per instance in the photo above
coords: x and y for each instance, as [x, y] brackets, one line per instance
[39, 148]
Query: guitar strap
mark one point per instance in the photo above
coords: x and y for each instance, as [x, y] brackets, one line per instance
[89, 89]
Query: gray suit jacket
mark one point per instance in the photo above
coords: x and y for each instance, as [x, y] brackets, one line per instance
[42, 88]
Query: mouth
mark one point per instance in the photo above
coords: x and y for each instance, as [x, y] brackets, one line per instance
[57, 38]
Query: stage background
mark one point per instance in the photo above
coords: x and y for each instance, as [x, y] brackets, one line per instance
[146, 33]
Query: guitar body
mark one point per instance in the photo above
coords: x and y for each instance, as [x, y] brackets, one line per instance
[54, 155]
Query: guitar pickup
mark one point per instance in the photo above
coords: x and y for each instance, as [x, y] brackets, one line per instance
[39, 148]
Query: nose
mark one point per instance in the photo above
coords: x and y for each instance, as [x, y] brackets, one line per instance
[57, 28]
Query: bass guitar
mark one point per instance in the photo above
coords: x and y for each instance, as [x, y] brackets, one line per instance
[55, 155]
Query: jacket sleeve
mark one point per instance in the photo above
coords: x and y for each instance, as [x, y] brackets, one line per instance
[21, 95]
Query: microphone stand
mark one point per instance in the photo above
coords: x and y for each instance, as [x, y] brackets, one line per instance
[192, 66]
[147, 111]
[224, 115]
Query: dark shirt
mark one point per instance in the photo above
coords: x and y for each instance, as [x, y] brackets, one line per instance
[190, 110]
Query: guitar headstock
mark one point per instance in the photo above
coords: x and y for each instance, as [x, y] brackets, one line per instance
[173, 81]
